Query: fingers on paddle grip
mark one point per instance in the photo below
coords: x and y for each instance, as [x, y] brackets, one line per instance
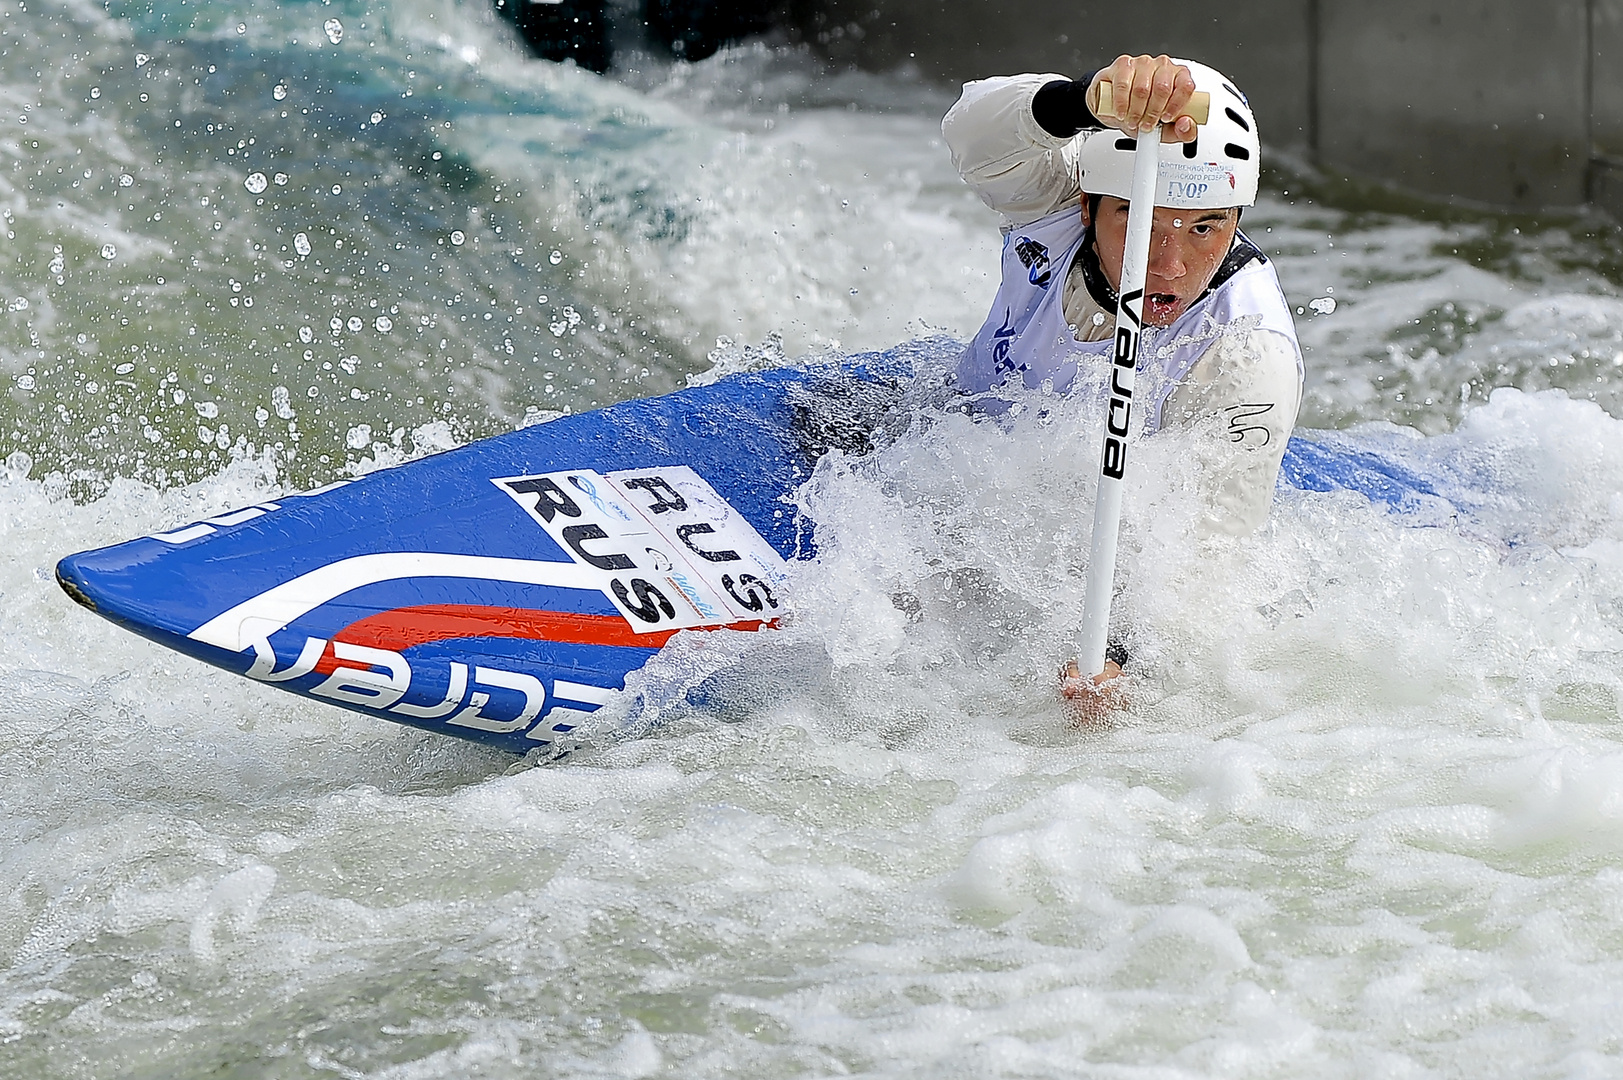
[1198, 109]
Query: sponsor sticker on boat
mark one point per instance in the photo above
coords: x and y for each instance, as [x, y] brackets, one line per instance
[660, 543]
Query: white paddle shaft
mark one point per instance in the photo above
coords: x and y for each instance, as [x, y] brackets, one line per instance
[1123, 371]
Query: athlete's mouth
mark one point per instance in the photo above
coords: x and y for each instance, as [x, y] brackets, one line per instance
[1160, 306]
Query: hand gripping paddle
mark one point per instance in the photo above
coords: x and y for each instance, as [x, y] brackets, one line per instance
[1123, 372]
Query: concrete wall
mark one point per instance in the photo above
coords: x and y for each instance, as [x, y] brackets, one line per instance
[1606, 115]
[1511, 103]
[1481, 99]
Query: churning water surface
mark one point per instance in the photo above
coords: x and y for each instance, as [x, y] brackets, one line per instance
[1364, 815]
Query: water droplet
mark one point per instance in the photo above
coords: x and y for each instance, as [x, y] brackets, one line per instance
[242, 28]
[95, 91]
[142, 59]
[19, 304]
[208, 410]
[280, 178]
[359, 437]
[306, 335]
[541, 299]
[301, 243]
[256, 183]
[337, 324]
[125, 180]
[336, 188]
[25, 382]
[109, 252]
[123, 369]
[377, 118]
[384, 324]
[555, 258]
[279, 91]
[355, 324]
[313, 392]
[1324, 305]
[335, 30]
[457, 238]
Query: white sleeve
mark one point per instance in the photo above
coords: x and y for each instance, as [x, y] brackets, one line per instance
[1243, 397]
[1000, 150]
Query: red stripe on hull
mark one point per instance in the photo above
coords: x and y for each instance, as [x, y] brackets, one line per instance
[401, 628]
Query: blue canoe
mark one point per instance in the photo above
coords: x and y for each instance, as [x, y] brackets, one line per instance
[501, 591]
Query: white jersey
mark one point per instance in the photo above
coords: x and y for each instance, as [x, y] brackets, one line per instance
[1029, 338]
[1232, 357]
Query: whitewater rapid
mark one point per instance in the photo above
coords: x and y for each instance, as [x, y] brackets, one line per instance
[1364, 815]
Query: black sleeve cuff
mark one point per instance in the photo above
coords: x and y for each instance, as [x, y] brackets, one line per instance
[1061, 107]
[1116, 651]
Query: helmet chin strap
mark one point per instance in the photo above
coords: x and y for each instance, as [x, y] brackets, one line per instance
[1093, 274]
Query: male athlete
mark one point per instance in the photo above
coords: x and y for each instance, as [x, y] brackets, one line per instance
[1040, 151]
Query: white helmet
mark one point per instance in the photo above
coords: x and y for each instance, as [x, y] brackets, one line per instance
[1219, 169]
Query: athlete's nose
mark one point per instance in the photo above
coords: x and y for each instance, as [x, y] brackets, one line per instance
[1166, 260]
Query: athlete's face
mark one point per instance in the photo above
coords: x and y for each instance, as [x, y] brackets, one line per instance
[1186, 248]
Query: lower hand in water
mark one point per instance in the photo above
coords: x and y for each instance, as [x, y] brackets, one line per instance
[1090, 701]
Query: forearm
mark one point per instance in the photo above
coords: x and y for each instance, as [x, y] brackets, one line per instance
[1060, 107]
[1243, 399]
[1242, 491]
